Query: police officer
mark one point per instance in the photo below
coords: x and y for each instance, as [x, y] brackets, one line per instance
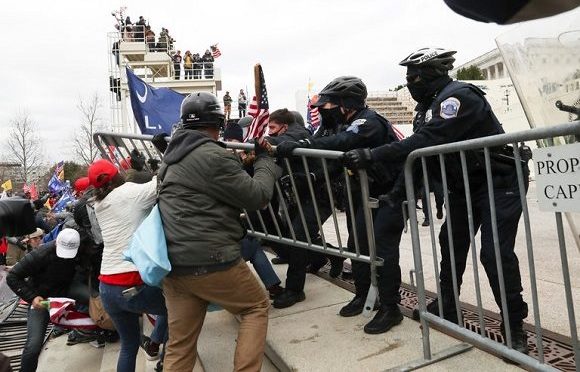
[450, 111]
[342, 106]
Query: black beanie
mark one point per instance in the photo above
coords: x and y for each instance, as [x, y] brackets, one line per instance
[233, 132]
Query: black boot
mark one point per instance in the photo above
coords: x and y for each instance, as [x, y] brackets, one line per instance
[425, 222]
[355, 307]
[439, 213]
[336, 266]
[450, 314]
[386, 318]
[288, 298]
[519, 337]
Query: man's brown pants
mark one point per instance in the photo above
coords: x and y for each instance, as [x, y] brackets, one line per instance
[236, 290]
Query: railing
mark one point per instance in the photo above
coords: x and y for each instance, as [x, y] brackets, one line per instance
[300, 216]
[427, 318]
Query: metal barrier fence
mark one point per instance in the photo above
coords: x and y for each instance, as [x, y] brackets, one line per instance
[463, 150]
[300, 206]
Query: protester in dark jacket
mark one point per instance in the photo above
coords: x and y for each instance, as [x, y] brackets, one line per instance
[45, 272]
[205, 256]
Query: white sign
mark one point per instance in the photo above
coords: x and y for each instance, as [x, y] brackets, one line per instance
[558, 178]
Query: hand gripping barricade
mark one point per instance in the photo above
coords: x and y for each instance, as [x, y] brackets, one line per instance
[277, 221]
[477, 336]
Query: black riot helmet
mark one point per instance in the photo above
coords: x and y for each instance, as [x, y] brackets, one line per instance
[201, 110]
[346, 91]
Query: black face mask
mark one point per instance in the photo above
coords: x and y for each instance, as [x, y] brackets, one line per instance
[331, 118]
[419, 90]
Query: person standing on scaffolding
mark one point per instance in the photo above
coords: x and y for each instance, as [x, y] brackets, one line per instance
[342, 105]
[451, 111]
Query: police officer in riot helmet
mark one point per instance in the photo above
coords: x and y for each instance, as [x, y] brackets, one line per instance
[450, 111]
[343, 110]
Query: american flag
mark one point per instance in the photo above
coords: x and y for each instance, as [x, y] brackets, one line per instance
[63, 313]
[258, 108]
[215, 51]
[312, 116]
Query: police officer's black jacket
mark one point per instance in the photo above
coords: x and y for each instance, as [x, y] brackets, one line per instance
[42, 273]
[365, 129]
[459, 111]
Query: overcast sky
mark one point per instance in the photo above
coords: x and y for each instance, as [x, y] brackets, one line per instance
[54, 53]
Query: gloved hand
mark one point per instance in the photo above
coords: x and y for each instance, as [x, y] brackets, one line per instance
[358, 159]
[159, 142]
[285, 148]
[261, 147]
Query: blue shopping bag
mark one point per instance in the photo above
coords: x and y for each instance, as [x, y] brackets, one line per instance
[148, 249]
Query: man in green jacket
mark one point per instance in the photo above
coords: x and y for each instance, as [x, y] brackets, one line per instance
[203, 190]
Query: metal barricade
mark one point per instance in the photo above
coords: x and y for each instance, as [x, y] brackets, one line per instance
[487, 144]
[284, 218]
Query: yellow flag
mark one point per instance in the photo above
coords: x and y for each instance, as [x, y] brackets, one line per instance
[7, 185]
[61, 175]
[47, 204]
[310, 85]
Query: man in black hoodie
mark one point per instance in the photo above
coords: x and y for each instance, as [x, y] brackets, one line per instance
[44, 272]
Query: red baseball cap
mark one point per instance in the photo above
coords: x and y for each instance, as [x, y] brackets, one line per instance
[81, 184]
[101, 172]
[126, 163]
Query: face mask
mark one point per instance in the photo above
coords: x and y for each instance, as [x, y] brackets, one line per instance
[331, 118]
[419, 90]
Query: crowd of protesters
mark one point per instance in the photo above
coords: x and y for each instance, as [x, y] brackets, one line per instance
[195, 66]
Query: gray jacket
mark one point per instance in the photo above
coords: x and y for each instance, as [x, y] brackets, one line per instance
[203, 190]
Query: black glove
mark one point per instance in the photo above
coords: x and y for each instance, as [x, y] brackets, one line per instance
[285, 148]
[159, 142]
[259, 149]
[358, 159]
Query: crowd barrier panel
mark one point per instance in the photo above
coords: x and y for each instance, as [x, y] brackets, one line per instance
[416, 164]
[117, 147]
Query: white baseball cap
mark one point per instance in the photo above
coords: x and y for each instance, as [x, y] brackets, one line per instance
[67, 243]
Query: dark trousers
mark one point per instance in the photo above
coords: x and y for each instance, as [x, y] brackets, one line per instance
[388, 227]
[35, 332]
[508, 212]
[188, 73]
[299, 258]
[177, 69]
[37, 323]
[437, 189]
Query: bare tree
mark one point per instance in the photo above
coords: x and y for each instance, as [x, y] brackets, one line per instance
[24, 145]
[84, 145]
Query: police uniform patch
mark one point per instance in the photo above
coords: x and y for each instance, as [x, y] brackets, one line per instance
[449, 108]
[428, 115]
[353, 127]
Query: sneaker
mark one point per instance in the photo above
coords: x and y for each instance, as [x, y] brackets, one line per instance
[150, 348]
[98, 344]
[386, 318]
[59, 331]
[450, 314]
[79, 337]
[288, 298]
